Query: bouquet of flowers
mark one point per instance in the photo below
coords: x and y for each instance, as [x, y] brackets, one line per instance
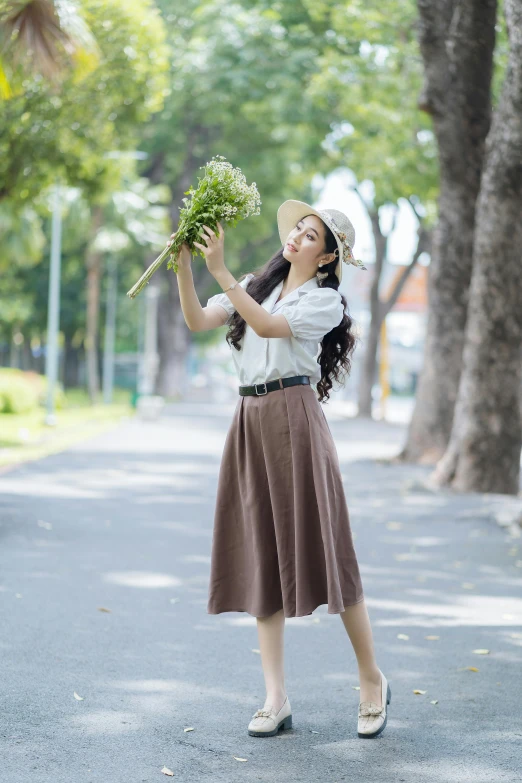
[222, 195]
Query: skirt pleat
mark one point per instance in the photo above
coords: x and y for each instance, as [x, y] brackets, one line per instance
[281, 536]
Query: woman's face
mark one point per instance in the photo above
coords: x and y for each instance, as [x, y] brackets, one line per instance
[308, 239]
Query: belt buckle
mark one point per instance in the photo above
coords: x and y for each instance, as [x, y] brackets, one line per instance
[260, 394]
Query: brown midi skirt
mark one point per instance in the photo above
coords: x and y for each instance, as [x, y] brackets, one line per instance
[281, 537]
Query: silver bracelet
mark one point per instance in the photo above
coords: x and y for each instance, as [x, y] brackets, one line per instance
[230, 286]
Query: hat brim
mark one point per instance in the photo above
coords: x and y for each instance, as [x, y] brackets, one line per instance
[289, 213]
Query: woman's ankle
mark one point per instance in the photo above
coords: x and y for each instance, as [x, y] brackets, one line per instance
[276, 699]
[370, 675]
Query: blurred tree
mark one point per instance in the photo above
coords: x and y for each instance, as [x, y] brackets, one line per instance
[63, 131]
[48, 37]
[367, 81]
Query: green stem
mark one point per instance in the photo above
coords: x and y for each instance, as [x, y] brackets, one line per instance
[146, 276]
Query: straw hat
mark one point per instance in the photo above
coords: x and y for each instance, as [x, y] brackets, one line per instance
[291, 211]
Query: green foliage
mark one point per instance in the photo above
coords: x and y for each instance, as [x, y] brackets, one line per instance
[23, 391]
[47, 133]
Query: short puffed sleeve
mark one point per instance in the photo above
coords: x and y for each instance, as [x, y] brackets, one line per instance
[224, 301]
[315, 314]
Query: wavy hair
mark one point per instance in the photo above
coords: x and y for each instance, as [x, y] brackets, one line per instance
[336, 347]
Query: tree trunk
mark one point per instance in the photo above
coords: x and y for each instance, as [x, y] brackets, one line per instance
[486, 439]
[367, 378]
[457, 41]
[379, 311]
[93, 262]
[173, 333]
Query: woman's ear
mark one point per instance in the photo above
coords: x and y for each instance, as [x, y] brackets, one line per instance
[330, 257]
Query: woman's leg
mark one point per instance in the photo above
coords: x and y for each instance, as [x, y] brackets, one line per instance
[357, 624]
[271, 643]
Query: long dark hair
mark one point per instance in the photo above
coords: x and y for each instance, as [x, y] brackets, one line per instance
[336, 347]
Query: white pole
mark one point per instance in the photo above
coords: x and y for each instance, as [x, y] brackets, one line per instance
[110, 331]
[53, 307]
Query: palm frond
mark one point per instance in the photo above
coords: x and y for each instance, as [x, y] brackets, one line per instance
[44, 33]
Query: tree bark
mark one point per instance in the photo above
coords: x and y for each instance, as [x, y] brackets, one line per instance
[457, 39]
[368, 370]
[486, 440]
[93, 262]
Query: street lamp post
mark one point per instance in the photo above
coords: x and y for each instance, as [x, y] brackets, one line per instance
[53, 310]
[110, 330]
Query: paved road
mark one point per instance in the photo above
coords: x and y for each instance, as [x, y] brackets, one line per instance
[124, 521]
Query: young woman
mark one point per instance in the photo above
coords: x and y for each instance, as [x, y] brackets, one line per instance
[282, 543]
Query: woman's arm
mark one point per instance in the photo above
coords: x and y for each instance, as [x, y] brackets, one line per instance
[197, 318]
[264, 324]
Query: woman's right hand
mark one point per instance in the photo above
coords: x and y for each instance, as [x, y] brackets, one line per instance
[184, 255]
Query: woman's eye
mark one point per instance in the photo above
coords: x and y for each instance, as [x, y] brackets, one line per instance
[308, 235]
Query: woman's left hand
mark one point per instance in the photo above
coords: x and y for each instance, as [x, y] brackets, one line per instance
[213, 249]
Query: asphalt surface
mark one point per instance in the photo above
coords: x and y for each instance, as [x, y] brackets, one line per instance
[123, 522]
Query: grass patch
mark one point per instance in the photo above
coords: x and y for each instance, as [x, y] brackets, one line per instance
[26, 436]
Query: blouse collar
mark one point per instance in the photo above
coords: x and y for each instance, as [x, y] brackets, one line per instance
[272, 305]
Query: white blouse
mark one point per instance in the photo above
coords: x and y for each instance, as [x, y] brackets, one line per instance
[311, 313]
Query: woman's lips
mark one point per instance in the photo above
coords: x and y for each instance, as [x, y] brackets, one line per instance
[291, 247]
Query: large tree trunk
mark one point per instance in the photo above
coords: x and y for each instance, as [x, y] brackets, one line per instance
[486, 440]
[457, 39]
[93, 262]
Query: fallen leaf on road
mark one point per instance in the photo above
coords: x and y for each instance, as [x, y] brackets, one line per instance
[432, 638]
[468, 669]
[189, 729]
[435, 701]
[256, 651]
[356, 687]
[167, 771]
[421, 692]
[238, 759]
[481, 652]
[402, 636]
[103, 609]
[80, 698]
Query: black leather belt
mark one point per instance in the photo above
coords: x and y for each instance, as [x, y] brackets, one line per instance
[260, 389]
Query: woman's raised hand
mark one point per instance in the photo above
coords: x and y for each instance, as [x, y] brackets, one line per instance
[213, 250]
[184, 255]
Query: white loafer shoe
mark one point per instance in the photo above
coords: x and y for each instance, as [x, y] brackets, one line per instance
[372, 718]
[266, 723]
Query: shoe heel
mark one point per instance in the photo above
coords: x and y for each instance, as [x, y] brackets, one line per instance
[388, 695]
[287, 723]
